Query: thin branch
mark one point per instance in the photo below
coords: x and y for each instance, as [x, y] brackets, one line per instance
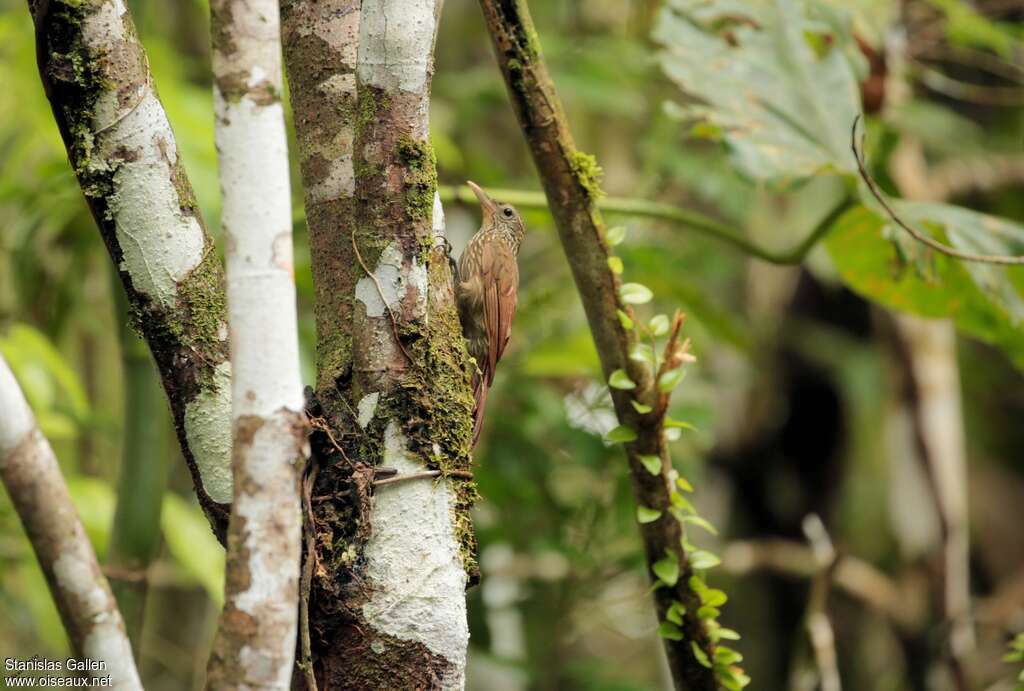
[686, 218]
[29, 471]
[819, 627]
[923, 238]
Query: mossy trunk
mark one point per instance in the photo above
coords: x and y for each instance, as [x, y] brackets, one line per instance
[390, 562]
[96, 75]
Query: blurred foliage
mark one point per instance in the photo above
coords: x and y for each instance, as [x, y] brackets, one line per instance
[791, 397]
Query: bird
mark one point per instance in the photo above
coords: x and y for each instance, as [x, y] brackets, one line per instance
[487, 288]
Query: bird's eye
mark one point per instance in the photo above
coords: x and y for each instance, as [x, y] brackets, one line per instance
[507, 211]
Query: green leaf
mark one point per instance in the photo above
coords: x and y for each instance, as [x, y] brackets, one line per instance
[782, 104]
[647, 515]
[641, 408]
[615, 264]
[722, 633]
[895, 271]
[658, 325]
[701, 656]
[683, 484]
[707, 612]
[727, 656]
[675, 612]
[669, 630]
[624, 320]
[615, 235]
[667, 569]
[621, 380]
[635, 293]
[671, 422]
[670, 380]
[652, 463]
[620, 434]
[713, 597]
[698, 586]
[681, 502]
[702, 559]
[732, 678]
[701, 523]
[642, 352]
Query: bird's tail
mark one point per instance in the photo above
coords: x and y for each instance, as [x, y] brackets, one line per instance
[480, 394]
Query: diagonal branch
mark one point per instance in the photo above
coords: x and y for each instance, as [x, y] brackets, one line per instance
[34, 482]
[570, 181]
[120, 144]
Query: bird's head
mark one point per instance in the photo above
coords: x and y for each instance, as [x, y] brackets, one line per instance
[500, 216]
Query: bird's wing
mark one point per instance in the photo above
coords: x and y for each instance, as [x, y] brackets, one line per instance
[500, 280]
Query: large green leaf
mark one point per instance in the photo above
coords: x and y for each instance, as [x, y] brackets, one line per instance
[887, 266]
[777, 80]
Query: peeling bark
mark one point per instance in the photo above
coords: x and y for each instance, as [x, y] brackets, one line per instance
[255, 643]
[120, 144]
[36, 487]
[571, 183]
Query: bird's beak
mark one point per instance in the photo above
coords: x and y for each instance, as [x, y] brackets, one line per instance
[486, 203]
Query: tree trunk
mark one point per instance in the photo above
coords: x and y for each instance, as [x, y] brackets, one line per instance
[96, 75]
[255, 643]
[391, 563]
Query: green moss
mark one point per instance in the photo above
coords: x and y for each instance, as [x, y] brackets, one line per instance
[420, 176]
[371, 101]
[203, 305]
[588, 173]
[439, 406]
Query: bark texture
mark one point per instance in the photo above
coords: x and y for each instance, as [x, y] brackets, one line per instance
[255, 643]
[390, 565]
[571, 183]
[36, 487]
[320, 44]
[120, 144]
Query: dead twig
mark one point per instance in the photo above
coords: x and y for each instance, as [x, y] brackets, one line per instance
[460, 474]
[308, 566]
[318, 423]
